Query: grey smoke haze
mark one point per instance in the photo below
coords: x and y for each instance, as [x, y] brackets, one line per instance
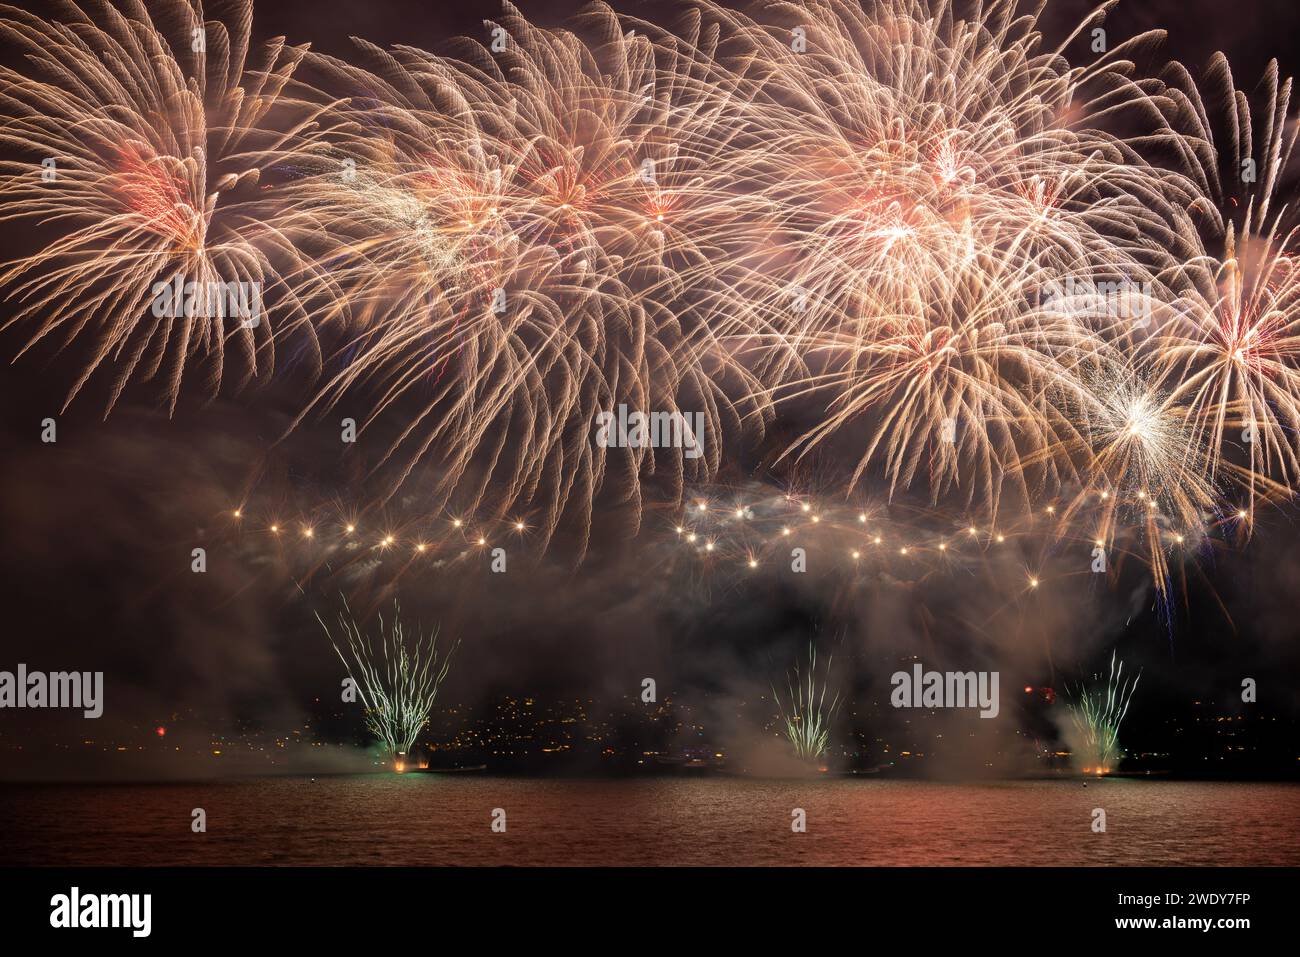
[104, 522]
[99, 530]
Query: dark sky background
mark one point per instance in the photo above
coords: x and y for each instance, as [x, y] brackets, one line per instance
[95, 572]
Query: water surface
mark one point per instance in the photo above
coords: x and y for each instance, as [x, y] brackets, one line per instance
[445, 820]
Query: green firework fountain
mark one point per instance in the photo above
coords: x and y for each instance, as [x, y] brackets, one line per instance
[1097, 711]
[804, 711]
[397, 675]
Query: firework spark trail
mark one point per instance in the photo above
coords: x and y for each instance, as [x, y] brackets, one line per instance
[398, 681]
[148, 136]
[537, 219]
[1097, 711]
[929, 197]
[870, 232]
[1231, 356]
[805, 712]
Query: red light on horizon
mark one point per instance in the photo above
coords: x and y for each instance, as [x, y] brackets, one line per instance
[160, 731]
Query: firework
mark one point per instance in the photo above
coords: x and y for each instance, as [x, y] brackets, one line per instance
[397, 675]
[521, 243]
[932, 197]
[1231, 354]
[141, 141]
[903, 237]
[1097, 712]
[804, 711]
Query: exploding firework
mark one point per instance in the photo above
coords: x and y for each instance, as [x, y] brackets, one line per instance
[939, 179]
[521, 242]
[397, 675]
[1097, 710]
[908, 238]
[141, 142]
[1231, 353]
[804, 711]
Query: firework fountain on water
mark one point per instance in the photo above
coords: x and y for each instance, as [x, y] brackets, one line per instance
[805, 713]
[397, 676]
[1097, 710]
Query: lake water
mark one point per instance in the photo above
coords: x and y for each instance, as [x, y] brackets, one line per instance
[445, 820]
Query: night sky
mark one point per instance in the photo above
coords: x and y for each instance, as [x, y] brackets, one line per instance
[98, 531]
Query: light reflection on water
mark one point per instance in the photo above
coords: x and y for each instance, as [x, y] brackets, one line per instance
[444, 820]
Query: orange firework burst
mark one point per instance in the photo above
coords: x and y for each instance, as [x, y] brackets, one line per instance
[1231, 354]
[904, 236]
[141, 142]
[520, 240]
